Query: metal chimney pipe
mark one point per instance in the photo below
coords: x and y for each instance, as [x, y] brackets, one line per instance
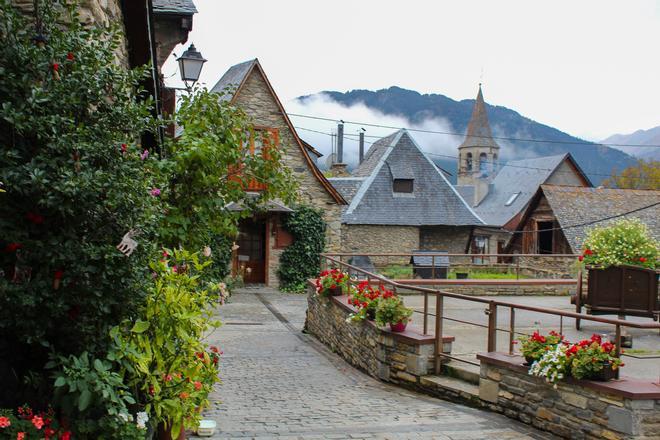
[361, 145]
[340, 142]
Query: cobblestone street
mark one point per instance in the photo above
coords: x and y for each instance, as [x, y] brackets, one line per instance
[281, 383]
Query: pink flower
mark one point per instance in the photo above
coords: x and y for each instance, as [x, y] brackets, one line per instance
[124, 147]
[198, 385]
[155, 192]
[4, 422]
[144, 154]
[20, 436]
[38, 422]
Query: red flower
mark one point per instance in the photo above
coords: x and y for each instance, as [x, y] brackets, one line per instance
[58, 274]
[12, 247]
[198, 385]
[38, 422]
[66, 436]
[167, 377]
[642, 260]
[184, 395]
[4, 422]
[580, 258]
[56, 67]
[588, 252]
[69, 56]
[213, 348]
[48, 433]
[165, 254]
[151, 390]
[34, 218]
[20, 436]
[124, 147]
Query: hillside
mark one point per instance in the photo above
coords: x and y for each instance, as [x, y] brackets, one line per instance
[640, 137]
[596, 160]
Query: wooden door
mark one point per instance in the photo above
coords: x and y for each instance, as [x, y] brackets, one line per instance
[251, 253]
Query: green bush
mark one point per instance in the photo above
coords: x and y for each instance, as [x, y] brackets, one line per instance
[627, 241]
[301, 260]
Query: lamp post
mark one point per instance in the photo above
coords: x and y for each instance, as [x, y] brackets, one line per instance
[190, 66]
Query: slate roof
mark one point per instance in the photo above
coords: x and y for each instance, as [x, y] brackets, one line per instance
[478, 132]
[577, 205]
[183, 7]
[347, 186]
[233, 78]
[434, 201]
[517, 176]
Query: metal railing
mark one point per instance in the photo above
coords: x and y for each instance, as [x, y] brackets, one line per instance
[492, 308]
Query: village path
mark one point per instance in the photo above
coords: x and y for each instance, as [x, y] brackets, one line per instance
[281, 383]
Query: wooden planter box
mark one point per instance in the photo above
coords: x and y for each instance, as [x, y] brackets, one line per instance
[623, 290]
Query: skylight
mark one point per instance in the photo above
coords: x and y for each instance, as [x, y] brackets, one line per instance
[512, 199]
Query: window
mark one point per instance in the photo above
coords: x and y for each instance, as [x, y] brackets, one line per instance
[468, 161]
[494, 164]
[480, 247]
[403, 186]
[544, 237]
[483, 163]
[259, 141]
[512, 199]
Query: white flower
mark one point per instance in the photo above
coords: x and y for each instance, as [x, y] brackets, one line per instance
[124, 417]
[141, 420]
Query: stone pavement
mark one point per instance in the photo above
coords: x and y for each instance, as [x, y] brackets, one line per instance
[281, 383]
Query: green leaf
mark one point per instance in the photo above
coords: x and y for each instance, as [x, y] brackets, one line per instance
[84, 400]
[60, 382]
[140, 326]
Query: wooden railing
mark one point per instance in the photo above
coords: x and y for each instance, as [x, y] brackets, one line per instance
[491, 310]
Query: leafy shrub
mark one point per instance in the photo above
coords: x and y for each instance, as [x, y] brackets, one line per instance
[75, 183]
[301, 260]
[392, 311]
[627, 241]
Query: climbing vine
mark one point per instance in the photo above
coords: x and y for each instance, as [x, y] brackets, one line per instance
[301, 260]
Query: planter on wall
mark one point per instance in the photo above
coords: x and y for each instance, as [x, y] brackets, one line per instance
[605, 374]
[333, 292]
[623, 290]
[398, 327]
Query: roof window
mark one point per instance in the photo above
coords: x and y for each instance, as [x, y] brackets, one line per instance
[512, 199]
[402, 186]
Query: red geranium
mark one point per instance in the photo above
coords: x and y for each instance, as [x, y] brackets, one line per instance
[13, 247]
[69, 56]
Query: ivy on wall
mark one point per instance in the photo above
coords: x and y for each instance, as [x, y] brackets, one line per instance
[301, 260]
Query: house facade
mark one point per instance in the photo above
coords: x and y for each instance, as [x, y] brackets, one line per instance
[499, 193]
[262, 238]
[399, 201]
[559, 217]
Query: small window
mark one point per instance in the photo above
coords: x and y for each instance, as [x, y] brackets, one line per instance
[483, 163]
[468, 161]
[512, 199]
[403, 185]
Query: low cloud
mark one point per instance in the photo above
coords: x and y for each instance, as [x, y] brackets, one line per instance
[440, 147]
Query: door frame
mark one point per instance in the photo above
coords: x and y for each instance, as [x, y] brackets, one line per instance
[266, 243]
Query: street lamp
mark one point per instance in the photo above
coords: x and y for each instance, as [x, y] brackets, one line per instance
[190, 66]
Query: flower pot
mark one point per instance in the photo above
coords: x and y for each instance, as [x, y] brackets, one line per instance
[163, 433]
[371, 314]
[605, 374]
[529, 361]
[398, 327]
[461, 275]
[333, 292]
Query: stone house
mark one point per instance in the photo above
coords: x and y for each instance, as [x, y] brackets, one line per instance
[262, 238]
[558, 218]
[399, 201]
[499, 194]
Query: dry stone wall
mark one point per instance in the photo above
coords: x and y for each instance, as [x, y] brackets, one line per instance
[378, 239]
[569, 411]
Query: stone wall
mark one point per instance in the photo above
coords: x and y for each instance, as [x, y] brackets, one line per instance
[401, 358]
[505, 289]
[573, 410]
[376, 239]
[548, 267]
[453, 239]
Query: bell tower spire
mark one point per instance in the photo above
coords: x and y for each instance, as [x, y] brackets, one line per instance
[479, 153]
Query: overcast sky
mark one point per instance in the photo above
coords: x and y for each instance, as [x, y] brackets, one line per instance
[590, 68]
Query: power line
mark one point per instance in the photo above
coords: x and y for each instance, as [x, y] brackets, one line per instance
[455, 159]
[449, 133]
[592, 222]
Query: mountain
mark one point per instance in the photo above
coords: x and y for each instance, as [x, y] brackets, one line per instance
[640, 137]
[597, 161]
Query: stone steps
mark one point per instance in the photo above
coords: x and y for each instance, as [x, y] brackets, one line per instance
[451, 388]
[461, 370]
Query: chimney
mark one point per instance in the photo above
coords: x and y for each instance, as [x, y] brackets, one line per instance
[481, 189]
[361, 145]
[340, 142]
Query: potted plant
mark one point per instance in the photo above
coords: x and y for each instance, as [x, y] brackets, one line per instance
[332, 282]
[535, 346]
[366, 298]
[392, 311]
[622, 263]
[593, 359]
[553, 366]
